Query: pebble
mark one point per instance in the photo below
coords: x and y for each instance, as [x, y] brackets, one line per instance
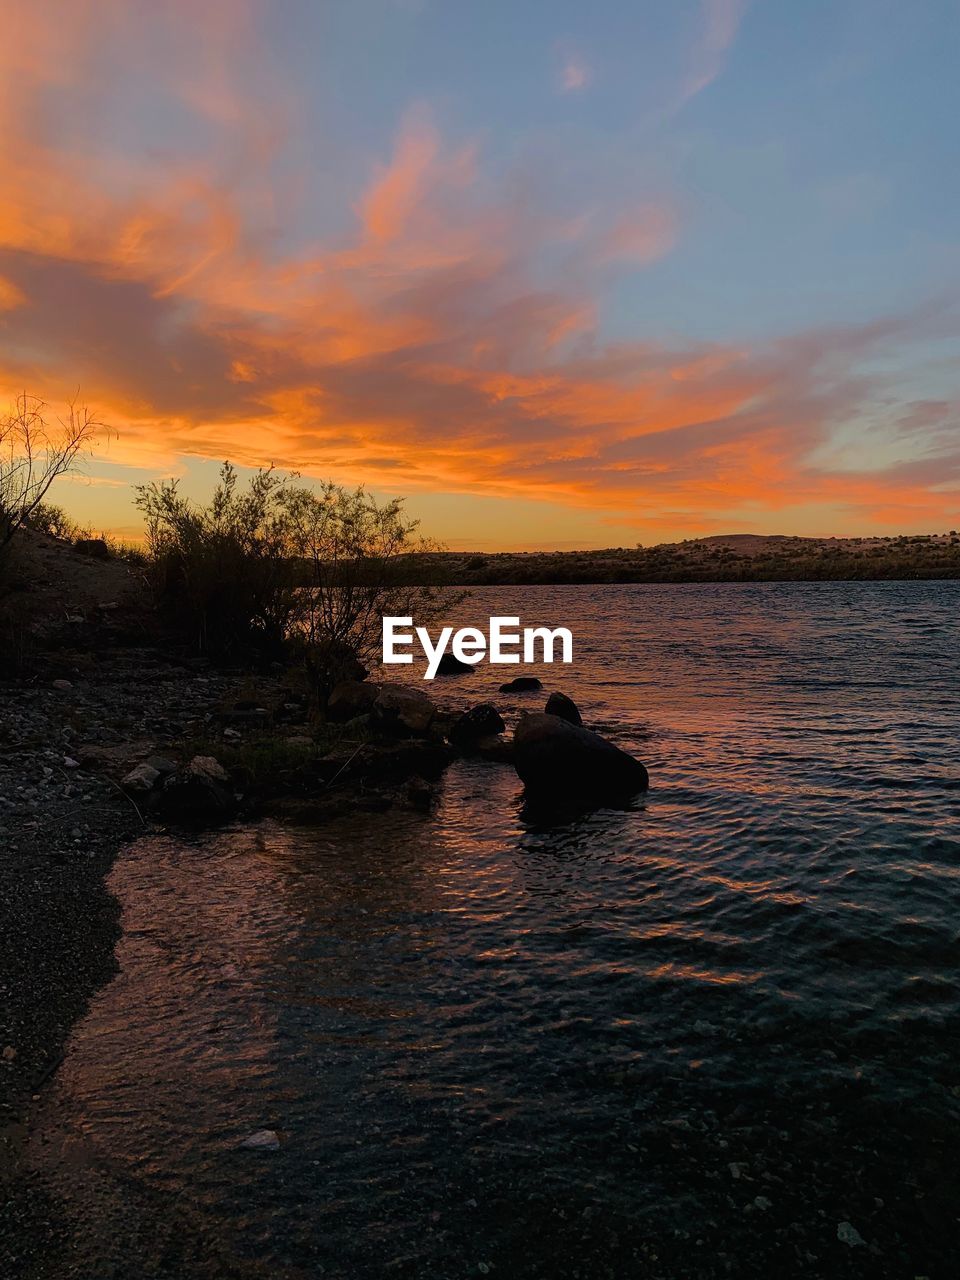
[849, 1235]
[262, 1140]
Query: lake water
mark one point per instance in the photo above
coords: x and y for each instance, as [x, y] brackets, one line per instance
[701, 1036]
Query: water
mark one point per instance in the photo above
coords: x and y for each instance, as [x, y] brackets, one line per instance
[686, 1038]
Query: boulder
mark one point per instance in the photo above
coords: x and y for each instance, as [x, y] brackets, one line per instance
[558, 704]
[349, 699]
[482, 721]
[401, 710]
[522, 684]
[198, 794]
[562, 763]
[451, 665]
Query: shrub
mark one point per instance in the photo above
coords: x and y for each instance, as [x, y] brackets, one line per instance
[278, 566]
[223, 569]
[46, 518]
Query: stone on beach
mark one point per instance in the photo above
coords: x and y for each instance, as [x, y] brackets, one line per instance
[262, 1140]
[162, 765]
[482, 721]
[141, 779]
[197, 794]
[849, 1235]
[399, 709]
[349, 699]
[560, 762]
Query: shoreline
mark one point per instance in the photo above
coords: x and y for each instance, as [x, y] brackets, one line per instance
[68, 735]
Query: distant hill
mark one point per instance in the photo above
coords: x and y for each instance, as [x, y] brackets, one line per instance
[733, 557]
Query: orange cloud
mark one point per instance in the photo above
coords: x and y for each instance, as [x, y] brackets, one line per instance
[424, 348]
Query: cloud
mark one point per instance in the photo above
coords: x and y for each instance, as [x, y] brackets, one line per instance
[447, 336]
[719, 24]
[643, 235]
[575, 75]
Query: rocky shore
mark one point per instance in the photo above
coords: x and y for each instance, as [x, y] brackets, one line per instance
[108, 729]
[92, 692]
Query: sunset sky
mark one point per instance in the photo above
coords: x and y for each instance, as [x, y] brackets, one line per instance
[564, 274]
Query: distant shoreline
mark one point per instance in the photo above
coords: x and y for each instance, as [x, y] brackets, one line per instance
[728, 558]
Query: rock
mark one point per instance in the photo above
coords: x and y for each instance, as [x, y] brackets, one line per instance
[349, 699]
[162, 765]
[95, 547]
[262, 1140]
[482, 721]
[522, 684]
[9, 1053]
[849, 1235]
[141, 779]
[62, 684]
[558, 704]
[560, 762]
[70, 763]
[495, 747]
[419, 793]
[197, 794]
[401, 710]
[451, 665]
[232, 735]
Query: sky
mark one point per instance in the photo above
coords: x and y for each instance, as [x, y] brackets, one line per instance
[561, 274]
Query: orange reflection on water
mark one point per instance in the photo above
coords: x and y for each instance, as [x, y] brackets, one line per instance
[690, 973]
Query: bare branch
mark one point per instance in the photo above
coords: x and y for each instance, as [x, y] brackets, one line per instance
[33, 453]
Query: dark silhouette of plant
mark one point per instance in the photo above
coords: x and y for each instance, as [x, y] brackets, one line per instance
[223, 568]
[277, 566]
[361, 560]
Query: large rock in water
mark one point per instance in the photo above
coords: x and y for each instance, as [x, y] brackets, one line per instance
[401, 710]
[558, 704]
[562, 763]
[522, 684]
[483, 721]
[451, 665]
